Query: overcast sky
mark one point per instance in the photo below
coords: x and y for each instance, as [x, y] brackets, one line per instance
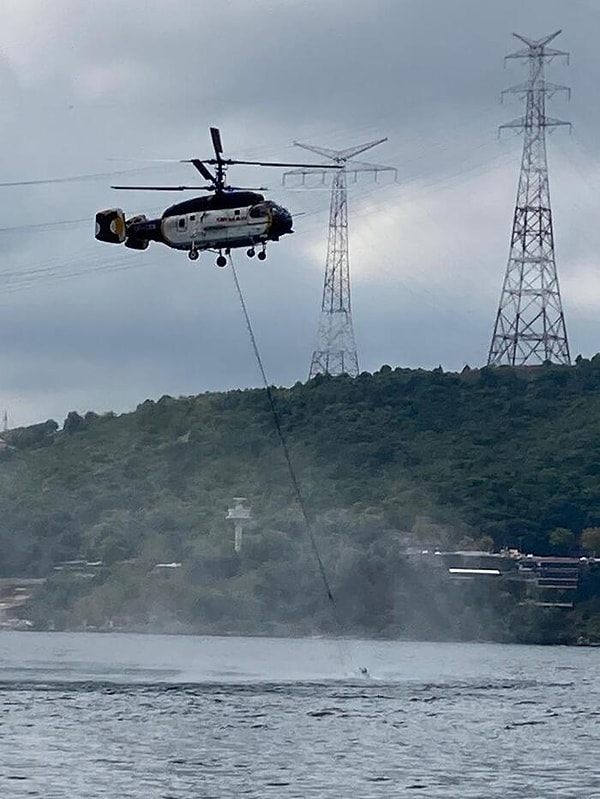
[84, 325]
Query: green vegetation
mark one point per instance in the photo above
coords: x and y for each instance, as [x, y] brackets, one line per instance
[387, 462]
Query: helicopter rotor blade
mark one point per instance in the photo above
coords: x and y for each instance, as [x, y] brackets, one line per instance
[229, 161]
[206, 173]
[246, 188]
[215, 135]
[163, 188]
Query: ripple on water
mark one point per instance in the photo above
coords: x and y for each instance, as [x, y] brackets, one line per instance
[496, 733]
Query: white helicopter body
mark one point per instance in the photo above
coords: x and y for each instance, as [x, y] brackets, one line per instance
[225, 219]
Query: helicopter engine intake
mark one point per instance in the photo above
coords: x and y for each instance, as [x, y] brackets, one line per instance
[110, 226]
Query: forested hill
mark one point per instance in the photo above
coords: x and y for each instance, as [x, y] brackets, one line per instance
[395, 459]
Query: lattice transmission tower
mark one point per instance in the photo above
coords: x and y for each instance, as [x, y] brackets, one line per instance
[335, 348]
[530, 324]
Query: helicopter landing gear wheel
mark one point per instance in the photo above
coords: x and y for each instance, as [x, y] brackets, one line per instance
[221, 261]
[262, 254]
[251, 252]
[193, 255]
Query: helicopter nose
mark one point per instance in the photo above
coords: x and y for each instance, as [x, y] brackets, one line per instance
[282, 222]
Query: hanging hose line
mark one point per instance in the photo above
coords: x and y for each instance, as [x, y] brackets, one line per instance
[285, 449]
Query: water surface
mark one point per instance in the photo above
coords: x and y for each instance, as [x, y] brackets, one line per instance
[101, 715]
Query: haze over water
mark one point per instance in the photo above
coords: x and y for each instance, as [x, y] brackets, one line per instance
[99, 715]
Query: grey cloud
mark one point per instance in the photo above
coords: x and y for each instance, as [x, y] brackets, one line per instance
[90, 82]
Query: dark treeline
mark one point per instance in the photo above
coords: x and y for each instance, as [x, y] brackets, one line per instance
[387, 463]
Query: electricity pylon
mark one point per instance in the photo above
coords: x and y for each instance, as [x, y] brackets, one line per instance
[335, 349]
[530, 324]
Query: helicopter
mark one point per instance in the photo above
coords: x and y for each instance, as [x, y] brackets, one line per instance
[228, 218]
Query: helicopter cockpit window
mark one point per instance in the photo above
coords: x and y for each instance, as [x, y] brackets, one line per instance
[258, 211]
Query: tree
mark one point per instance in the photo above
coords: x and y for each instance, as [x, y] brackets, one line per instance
[486, 543]
[590, 540]
[562, 540]
[74, 423]
[506, 454]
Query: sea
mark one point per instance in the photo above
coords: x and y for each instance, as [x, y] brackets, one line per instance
[86, 715]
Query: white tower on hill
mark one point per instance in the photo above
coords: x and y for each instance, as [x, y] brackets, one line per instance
[239, 515]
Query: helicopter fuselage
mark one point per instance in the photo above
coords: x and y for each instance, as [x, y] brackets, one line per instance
[233, 219]
[228, 217]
